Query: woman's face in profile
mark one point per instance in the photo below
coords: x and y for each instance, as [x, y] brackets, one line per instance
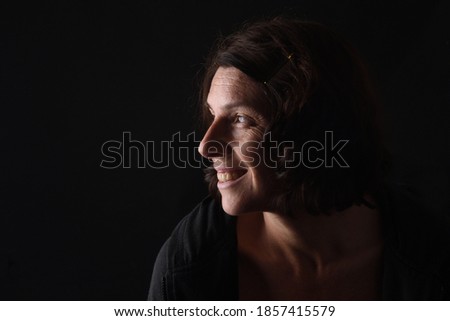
[232, 142]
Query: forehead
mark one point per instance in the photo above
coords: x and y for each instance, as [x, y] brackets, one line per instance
[230, 86]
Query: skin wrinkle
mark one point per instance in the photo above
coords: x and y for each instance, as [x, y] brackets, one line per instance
[311, 249]
[233, 93]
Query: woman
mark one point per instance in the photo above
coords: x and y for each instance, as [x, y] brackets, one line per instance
[299, 206]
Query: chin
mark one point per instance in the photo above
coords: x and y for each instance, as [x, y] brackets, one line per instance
[231, 210]
[237, 207]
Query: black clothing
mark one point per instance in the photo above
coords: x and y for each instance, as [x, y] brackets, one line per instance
[199, 260]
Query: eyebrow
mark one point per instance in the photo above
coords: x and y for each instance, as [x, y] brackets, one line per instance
[234, 105]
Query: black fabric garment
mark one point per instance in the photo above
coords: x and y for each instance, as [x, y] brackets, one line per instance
[199, 260]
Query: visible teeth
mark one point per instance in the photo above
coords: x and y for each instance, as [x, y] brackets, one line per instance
[225, 177]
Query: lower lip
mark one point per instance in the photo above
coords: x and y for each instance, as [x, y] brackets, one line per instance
[222, 185]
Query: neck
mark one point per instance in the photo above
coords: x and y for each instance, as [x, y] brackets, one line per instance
[316, 240]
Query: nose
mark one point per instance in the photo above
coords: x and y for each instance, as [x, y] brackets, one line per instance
[213, 142]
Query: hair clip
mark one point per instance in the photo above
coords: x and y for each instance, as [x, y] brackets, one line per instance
[278, 69]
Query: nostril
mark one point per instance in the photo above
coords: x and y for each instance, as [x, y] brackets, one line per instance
[211, 149]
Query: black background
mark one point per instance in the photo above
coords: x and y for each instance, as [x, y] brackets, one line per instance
[75, 75]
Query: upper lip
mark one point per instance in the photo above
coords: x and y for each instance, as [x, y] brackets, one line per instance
[224, 169]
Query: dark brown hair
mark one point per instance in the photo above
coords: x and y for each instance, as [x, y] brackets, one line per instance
[314, 82]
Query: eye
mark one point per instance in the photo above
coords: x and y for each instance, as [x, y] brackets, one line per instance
[241, 119]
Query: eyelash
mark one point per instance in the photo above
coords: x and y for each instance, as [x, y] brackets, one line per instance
[245, 120]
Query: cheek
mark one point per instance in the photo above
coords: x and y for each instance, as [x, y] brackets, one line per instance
[262, 174]
[251, 154]
[250, 149]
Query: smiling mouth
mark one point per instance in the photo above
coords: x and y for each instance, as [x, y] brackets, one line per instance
[229, 176]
